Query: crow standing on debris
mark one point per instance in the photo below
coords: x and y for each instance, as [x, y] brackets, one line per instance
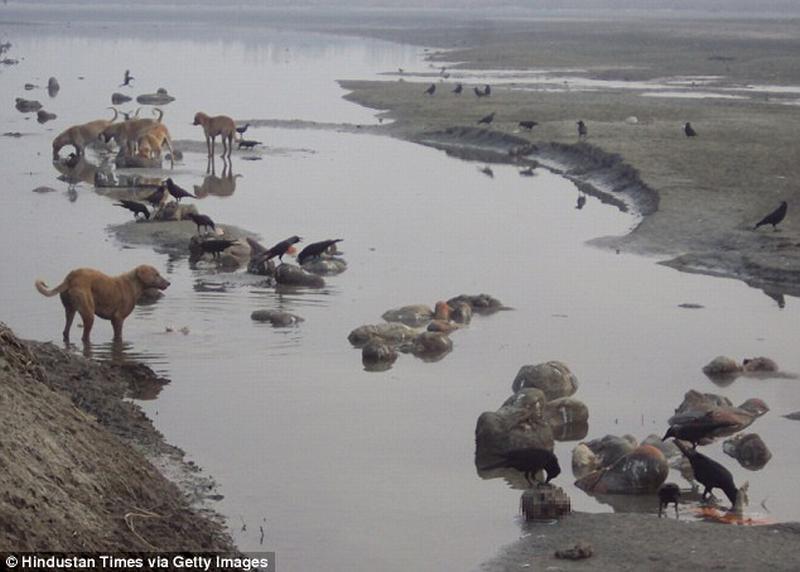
[694, 427]
[135, 207]
[315, 249]
[157, 196]
[529, 461]
[774, 217]
[216, 245]
[710, 474]
[202, 220]
[280, 249]
[177, 191]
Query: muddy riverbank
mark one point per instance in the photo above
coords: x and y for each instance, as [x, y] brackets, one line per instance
[83, 468]
[709, 190]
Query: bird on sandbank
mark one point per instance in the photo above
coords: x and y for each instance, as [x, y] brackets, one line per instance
[215, 246]
[487, 119]
[458, 89]
[528, 124]
[242, 128]
[431, 90]
[775, 217]
[689, 130]
[280, 249]
[583, 131]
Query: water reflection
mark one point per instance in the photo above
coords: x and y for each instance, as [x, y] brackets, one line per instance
[219, 186]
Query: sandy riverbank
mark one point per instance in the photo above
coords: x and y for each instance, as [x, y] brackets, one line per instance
[711, 189]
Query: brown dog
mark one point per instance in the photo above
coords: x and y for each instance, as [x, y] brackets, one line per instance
[151, 143]
[221, 125]
[79, 136]
[89, 292]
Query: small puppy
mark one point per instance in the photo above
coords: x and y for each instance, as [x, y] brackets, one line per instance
[221, 125]
[90, 292]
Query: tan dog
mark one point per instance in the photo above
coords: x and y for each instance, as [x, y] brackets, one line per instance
[152, 142]
[90, 292]
[128, 133]
[79, 136]
[221, 125]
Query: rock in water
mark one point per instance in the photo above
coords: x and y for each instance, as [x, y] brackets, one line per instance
[751, 452]
[390, 333]
[276, 317]
[552, 377]
[641, 471]
[291, 275]
[414, 315]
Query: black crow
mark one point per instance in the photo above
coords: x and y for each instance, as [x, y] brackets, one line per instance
[135, 207]
[528, 124]
[487, 170]
[281, 248]
[431, 90]
[156, 197]
[710, 474]
[693, 427]
[689, 130]
[202, 220]
[669, 493]
[247, 143]
[176, 191]
[583, 131]
[529, 461]
[487, 90]
[240, 130]
[458, 89]
[478, 92]
[315, 249]
[128, 78]
[216, 245]
[774, 217]
[527, 172]
[581, 202]
[488, 119]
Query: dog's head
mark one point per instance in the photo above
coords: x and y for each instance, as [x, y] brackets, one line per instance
[200, 118]
[150, 278]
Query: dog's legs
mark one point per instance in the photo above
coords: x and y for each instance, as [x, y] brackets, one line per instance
[117, 325]
[69, 312]
[85, 306]
[208, 145]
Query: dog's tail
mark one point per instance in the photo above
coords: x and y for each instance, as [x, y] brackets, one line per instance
[42, 288]
[160, 113]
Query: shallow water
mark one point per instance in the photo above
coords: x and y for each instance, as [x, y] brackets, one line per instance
[343, 468]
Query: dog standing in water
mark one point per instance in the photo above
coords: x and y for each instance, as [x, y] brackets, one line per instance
[221, 125]
[90, 292]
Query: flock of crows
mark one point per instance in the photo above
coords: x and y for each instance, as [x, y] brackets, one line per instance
[215, 246]
[773, 218]
[690, 428]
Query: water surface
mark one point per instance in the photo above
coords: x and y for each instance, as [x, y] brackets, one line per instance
[343, 468]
